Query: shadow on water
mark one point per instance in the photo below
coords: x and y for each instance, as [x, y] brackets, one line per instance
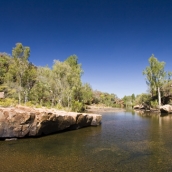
[164, 114]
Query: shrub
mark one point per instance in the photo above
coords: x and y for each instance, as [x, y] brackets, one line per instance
[7, 102]
[59, 106]
[154, 104]
[77, 106]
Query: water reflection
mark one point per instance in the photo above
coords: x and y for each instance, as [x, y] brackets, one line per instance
[126, 141]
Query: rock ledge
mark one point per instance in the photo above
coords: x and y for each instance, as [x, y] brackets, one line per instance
[24, 121]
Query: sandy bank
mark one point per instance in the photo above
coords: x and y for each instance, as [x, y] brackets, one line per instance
[99, 109]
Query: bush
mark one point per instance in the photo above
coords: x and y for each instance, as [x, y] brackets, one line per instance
[59, 106]
[7, 102]
[116, 106]
[29, 103]
[142, 98]
[77, 106]
[154, 104]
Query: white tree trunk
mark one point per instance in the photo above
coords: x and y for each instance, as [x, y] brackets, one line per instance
[68, 100]
[25, 97]
[159, 97]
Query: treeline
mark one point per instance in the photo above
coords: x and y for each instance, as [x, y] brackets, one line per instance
[59, 86]
[159, 87]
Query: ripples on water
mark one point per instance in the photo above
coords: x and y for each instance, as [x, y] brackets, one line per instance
[124, 142]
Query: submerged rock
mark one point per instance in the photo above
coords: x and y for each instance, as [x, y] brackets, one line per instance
[24, 121]
[11, 139]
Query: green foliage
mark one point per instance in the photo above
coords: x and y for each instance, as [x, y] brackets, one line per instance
[87, 94]
[116, 106]
[72, 61]
[77, 106]
[154, 104]
[104, 98]
[7, 102]
[59, 86]
[155, 74]
[156, 77]
[59, 106]
[18, 70]
[4, 65]
[167, 88]
[128, 101]
[142, 99]
[29, 103]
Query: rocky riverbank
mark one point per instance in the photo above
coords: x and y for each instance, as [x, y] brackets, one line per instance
[162, 109]
[101, 109]
[21, 121]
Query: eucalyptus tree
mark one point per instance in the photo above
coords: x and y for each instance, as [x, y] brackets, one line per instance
[5, 60]
[127, 101]
[143, 98]
[155, 76]
[61, 72]
[87, 93]
[60, 84]
[29, 80]
[41, 91]
[74, 79]
[20, 55]
[4, 66]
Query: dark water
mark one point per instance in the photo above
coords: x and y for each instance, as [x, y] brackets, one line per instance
[124, 142]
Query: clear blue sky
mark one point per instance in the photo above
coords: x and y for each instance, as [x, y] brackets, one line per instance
[113, 39]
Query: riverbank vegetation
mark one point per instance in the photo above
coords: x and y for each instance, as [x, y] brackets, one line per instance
[58, 87]
[159, 87]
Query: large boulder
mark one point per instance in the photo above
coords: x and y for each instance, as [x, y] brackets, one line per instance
[23, 121]
[166, 109]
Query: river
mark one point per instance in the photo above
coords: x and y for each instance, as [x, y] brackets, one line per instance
[126, 141]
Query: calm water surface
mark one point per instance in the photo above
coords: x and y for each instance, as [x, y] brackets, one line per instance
[124, 142]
